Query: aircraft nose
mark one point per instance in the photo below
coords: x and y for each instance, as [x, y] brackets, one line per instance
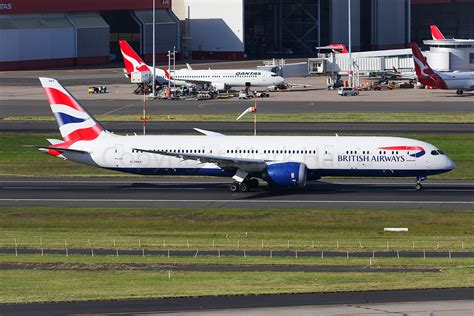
[279, 80]
[450, 165]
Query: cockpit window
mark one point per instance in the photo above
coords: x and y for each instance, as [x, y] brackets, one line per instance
[441, 152]
[274, 75]
[434, 152]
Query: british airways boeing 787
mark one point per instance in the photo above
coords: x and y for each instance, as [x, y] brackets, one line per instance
[282, 161]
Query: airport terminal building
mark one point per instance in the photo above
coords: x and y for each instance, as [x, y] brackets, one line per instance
[41, 34]
[37, 34]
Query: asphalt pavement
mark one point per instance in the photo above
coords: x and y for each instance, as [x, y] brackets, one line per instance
[214, 193]
[19, 107]
[243, 128]
[460, 300]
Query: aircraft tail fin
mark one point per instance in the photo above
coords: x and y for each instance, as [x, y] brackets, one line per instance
[132, 61]
[424, 73]
[339, 48]
[436, 33]
[73, 120]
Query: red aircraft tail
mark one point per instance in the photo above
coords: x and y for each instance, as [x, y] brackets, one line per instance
[425, 74]
[436, 33]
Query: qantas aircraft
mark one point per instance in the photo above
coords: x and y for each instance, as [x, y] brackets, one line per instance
[336, 48]
[454, 80]
[282, 161]
[438, 36]
[222, 79]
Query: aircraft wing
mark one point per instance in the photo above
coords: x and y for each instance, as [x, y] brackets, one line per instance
[208, 133]
[245, 164]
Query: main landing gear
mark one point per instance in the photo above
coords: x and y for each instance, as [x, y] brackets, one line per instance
[459, 92]
[244, 186]
[419, 180]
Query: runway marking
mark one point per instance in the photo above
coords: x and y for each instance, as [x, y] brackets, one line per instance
[120, 108]
[238, 201]
[467, 183]
[438, 190]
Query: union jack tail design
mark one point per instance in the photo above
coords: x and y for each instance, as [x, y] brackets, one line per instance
[132, 61]
[74, 122]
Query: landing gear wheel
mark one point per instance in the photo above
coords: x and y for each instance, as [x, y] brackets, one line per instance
[234, 187]
[460, 92]
[418, 185]
[243, 187]
[253, 183]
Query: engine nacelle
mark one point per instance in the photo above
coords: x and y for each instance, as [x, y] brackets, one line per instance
[220, 86]
[287, 174]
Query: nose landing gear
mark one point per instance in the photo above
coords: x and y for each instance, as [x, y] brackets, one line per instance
[419, 180]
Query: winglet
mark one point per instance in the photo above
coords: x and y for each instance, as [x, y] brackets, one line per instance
[208, 133]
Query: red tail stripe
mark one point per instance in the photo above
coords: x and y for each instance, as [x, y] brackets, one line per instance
[58, 97]
[89, 133]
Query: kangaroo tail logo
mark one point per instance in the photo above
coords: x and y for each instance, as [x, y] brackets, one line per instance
[132, 61]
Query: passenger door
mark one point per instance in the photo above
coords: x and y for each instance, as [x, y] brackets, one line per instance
[328, 156]
[118, 154]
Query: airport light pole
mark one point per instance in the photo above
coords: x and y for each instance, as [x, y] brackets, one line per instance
[154, 53]
[350, 42]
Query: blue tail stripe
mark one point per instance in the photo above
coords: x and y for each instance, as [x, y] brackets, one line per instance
[66, 119]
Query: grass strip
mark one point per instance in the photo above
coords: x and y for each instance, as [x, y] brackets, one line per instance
[21, 286]
[421, 117]
[234, 229]
[18, 160]
[59, 259]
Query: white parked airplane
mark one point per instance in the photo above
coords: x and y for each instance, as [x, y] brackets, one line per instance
[453, 80]
[222, 79]
[438, 36]
[282, 161]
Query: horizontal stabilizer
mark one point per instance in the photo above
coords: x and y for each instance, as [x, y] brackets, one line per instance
[47, 149]
[55, 141]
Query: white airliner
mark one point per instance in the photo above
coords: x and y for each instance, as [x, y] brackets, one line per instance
[222, 79]
[454, 80]
[438, 36]
[282, 161]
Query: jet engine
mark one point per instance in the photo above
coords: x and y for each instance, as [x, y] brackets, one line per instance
[220, 86]
[286, 174]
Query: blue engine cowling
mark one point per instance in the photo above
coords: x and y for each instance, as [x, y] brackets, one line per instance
[287, 174]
